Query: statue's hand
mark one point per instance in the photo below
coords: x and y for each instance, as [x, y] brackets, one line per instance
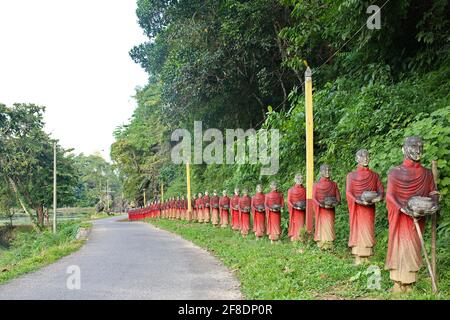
[362, 202]
[377, 199]
[433, 209]
[407, 211]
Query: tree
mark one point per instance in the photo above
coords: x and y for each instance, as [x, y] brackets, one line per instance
[140, 148]
[95, 176]
[7, 203]
[26, 161]
[230, 62]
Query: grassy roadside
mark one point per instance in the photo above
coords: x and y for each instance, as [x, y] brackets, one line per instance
[295, 271]
[27, 250]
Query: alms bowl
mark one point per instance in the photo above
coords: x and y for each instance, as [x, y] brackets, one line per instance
[300, 205]
[330, 201]
[420, 204]
[368, 196]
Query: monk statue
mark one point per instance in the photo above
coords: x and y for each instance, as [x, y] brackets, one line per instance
[296, 205]
[363, 190]
[274, 204]
[206, 208]
[411, 194]
[259, 212]
[199, 205]
[326, 197]
[178, 208]
[174, 208]
[245, 203]
[235, 210]
[215, 216]
[224, 204]
[183, 208]
[194, 208]
[171, 204]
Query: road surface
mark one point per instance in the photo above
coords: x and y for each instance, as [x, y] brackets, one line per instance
[129, 260]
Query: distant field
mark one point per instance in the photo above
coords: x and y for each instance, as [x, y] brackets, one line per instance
[63, 214]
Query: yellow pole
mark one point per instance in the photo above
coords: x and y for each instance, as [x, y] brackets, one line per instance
[145, 199]
[188, 180]
[309, 149]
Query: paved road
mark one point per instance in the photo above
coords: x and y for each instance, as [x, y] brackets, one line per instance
[130, 260]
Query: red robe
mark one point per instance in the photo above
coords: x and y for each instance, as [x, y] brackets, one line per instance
[199, 205]
[172, 204]
[206, 208]
[214, 211]
[194, 209]
[404, 250]
[244, 201]
[224, 213]
[259, 218]
[184, 205]
[362, 218]
[235, 225]
[178, 209]
[324, 231]
[296, 217]
[274, 217]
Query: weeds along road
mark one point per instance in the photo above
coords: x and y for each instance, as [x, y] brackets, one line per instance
[129, 260]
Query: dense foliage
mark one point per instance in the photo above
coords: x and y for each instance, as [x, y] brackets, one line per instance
[26, 161]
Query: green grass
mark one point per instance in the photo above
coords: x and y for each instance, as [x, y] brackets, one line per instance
[102, 215]
[296, 271]
[29, 250]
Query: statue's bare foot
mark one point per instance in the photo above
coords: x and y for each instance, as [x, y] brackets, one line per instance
[397, 288]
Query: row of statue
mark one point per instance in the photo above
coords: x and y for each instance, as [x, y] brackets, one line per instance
[411, 195]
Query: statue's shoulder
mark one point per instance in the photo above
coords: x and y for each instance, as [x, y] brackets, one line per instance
[351, 175]
[376, 174]
[396, 170]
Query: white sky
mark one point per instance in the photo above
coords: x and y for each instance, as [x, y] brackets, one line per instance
[72, 57]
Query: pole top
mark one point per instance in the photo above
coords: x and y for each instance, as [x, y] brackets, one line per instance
[308, 73]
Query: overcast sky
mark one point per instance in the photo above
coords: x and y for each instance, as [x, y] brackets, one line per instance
[72, 57]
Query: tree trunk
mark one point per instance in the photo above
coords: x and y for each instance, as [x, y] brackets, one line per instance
[11, 214]
[40, 215]
[22, 204]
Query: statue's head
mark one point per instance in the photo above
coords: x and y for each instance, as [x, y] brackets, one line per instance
[325, 171]
[298, 179]
[215, 192]
[258, 188]
[245, 192]
[236, 191]
[413, 148]
[224, 192]
[206, 193]
[273, 185]
[362, 158]
[199, 194]
[182, 197]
